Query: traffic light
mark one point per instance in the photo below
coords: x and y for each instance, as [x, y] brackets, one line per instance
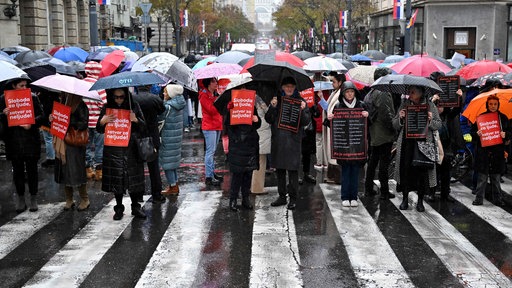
[400, 42]
[149, 33]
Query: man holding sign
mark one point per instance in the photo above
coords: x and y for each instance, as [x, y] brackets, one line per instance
[23, 113]
[490, 132]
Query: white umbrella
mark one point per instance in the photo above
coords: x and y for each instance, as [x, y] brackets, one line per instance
[72, 85]
[322, 63]
[159, 61]
[9, 71]
[130, 56]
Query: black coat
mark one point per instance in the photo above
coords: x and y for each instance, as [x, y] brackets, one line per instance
[286, 146]
[309, 140]
[491, 159]
[244, 145]
[152, 106]
[21, 143]
[122, 167]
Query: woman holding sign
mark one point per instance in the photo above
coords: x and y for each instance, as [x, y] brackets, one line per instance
[22, 140]
[121, 120]
[489, 133]
[350, 165]
[417, 125]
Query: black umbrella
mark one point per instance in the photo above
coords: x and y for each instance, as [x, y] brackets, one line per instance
[339, 55]
[266, 90]
[31, 56]
[276, 71]
[77, 65]
[375, 54]
[400, 84]
[37, 70]
[127, 79]
[348, 64]
[61, 66]
[303, 55]
[222, 101]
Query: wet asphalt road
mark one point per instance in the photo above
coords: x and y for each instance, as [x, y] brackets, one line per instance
[194, 240]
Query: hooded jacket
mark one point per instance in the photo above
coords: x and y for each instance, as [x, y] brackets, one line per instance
[172, 132]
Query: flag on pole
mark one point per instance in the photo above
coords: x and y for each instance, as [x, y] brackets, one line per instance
[325, 27]
[104, 2]
[217, 33]
[311, 33]
[228, 37]
[398, 10]
[412, 20]
[203, 26]
[343, 19]
[184, 18]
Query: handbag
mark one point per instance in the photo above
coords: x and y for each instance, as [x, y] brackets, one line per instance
[424, 155]
[77, 138]
[146, 149]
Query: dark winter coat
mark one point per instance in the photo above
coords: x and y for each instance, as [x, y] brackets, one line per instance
[122, 167]
[286, 145]
[151, 105]
[21, 143]
[309, 140]
[244, 145]
[381, 126]
[172, 133]
[491, 159]
[73, 172]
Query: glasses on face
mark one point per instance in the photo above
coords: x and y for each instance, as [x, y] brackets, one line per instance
[118, 96]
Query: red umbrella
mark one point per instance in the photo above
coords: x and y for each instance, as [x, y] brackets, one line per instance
[481, 68]
[280, 56]
[54, 50]
[419, 65]
[111, 62]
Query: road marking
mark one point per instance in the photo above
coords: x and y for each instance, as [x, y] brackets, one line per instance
[275, 256]
[26, 224]
[372, 259]
[506, 187]
[459, 256]
[177, 256]
[70, 266]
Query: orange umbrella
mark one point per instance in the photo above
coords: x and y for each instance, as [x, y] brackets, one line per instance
[477, 105]
[280, 56]
[111, 62]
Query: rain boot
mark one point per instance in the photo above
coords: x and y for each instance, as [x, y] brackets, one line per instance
[68, 191]
[246, 203]
[21, 205]
[419, 205]
[84, 198]
[33, 203]
[405, 201]
[118, 209]
[232, 204]
[137, 211]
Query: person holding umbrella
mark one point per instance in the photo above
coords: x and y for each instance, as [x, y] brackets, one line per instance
[122, 167]
[70, 159]
[286, 145]
[23, 148]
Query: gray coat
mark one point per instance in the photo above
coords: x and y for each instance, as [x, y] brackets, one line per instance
[172, 133]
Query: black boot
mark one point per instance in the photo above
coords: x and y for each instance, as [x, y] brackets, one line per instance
[419, 205]
[137, 211]
[118, 209]
[279, 201]
[246, 203]
[405, 201]
[232, 204]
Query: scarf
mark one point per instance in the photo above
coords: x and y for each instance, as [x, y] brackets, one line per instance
[350, 105]
[59, 144]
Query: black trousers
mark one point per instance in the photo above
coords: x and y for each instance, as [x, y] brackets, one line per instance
[240, 182]
[306, 161]
[293, 187]
[154, 177]
[381, 155]
[445, 176]
[18, 175]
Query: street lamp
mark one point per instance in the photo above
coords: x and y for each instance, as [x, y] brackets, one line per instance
[10, 10]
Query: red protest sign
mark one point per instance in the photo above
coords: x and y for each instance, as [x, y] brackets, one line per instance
[61, 117]
[489, 125]
[118, 132]
[243, 106]
[21, 107]
[309, 96]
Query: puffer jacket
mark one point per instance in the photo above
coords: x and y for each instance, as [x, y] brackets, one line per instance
[122, 167]
[244, 145]
[172, 133]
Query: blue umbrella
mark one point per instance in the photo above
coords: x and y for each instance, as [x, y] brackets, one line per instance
[359, 57]
[71, 54]
[128, 65]
[232, 57]
[323, 85]
[127, 79]
[97, 56]
[203, 62]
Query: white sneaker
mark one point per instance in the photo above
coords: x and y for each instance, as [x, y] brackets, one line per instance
[318, 166]
[345, 203]
[187, 129]
[353, 203]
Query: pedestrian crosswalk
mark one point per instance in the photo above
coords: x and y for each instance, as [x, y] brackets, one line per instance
[299, 248]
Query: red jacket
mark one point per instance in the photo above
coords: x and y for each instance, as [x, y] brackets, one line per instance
[212, 120]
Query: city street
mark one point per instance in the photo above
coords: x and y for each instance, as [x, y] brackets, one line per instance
[194, 240]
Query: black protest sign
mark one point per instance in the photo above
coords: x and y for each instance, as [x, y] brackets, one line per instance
[449, 85]
[289, 115]
[416, 121]
[348, 134]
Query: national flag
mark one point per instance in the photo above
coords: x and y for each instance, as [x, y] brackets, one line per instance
[412, 20]
[325, 27]
[203, 26]
[184, 18]
[398, 10]
[217, 33]
[343, 19]
[104, 2]
[311, 33]
[228, 37]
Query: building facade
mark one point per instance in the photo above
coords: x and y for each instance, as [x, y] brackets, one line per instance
[477, 29]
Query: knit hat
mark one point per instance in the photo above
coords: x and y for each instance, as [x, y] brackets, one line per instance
[288, 80]
[93, 69]
[174, 90]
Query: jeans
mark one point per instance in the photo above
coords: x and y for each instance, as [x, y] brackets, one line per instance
[381, 155]
[48, 143]
[171, 176]
[211, 138]
[349, 180]
[186, 122]
[95, 157]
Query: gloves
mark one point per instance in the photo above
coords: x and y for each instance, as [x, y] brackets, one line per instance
[467, 137]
